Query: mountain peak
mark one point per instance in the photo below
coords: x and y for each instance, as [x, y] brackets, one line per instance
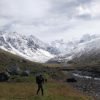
[26, 46]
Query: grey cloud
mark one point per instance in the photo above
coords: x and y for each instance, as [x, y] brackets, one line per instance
[84, 1]
[84, 16]
[60, 16]
[68, 8]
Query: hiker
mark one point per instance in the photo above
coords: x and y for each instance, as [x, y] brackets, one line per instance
[40, 81]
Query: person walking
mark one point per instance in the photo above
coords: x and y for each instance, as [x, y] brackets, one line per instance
[40, 82]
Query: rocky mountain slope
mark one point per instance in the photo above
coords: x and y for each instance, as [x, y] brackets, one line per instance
[78, 50]
[87, 52]
[28, 47]
[33, 49]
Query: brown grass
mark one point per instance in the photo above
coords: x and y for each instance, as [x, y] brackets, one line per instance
[25, 91]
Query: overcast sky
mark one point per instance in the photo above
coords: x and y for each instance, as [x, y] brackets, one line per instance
[51, 19]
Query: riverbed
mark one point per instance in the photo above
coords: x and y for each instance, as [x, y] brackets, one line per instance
[87, 82]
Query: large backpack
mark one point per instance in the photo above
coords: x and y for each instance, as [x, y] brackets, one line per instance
[39, 80]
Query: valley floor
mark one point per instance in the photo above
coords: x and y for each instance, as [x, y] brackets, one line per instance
[27, 91]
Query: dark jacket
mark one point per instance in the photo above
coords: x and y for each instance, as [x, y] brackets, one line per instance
[39, 79]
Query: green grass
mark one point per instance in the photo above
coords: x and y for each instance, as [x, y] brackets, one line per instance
[8, 60]
[24, 88]
[53, 90]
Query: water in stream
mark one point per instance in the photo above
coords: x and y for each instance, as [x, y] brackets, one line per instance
[87, 82]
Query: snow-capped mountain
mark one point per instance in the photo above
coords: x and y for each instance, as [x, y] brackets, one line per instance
[67, 47]
[63, 47]
[89, 50]
[28, 47]
[60, 45]
[88, 45]
[33, 49]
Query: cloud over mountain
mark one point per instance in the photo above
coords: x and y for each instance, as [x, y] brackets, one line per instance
[50, 19]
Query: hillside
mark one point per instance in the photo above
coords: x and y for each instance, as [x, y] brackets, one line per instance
[24, 88]
[83, 52]
[87, 55]
[8, 60]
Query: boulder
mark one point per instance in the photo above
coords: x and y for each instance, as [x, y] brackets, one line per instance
[71, 80]
[14, 70]
[25, 73]
[4, 76]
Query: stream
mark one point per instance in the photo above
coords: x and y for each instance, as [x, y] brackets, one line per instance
[87, 81]
[86, 74]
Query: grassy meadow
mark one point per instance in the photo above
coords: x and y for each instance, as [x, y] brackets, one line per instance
[53, 90]
[24, 88]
